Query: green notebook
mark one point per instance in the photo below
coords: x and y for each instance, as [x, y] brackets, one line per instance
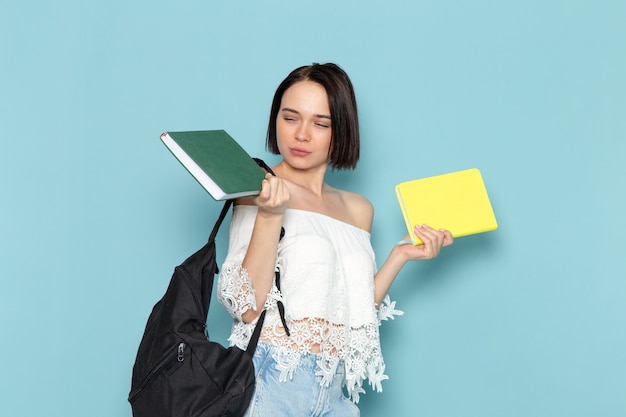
[217, 162]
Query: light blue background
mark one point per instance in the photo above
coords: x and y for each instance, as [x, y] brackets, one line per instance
[529, 320]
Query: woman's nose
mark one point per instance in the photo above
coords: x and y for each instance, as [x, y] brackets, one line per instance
[303, 134]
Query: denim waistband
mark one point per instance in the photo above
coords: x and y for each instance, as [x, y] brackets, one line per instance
[308, 360]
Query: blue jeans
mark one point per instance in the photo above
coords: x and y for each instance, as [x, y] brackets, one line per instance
[300, 396]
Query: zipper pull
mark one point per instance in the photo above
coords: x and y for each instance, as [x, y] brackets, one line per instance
[181, 349]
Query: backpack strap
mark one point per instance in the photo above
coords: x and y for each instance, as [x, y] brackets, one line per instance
[220, 219]
[256, 334]
[263, 165]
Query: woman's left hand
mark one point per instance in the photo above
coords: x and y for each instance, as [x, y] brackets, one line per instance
[433, 240]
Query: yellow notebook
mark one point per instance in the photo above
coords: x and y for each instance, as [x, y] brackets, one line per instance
[457, 201]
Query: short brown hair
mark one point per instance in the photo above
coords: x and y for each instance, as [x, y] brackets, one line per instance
[345, 139]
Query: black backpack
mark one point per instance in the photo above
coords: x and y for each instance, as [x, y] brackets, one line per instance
[178, 372]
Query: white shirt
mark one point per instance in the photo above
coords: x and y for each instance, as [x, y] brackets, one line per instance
[327, 286]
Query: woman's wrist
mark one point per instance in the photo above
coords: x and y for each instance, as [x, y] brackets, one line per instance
[399, 255]
[270, 215]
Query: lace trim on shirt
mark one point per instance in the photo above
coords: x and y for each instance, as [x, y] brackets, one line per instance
[234, 289]
[387, 309]
[359, 348]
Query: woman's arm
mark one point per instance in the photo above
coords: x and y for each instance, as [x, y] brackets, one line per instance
[433, 240]
[260, 259]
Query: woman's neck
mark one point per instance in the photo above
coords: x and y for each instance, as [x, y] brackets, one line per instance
[309, 179]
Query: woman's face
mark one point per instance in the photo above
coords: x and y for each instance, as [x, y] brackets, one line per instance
[303, 126]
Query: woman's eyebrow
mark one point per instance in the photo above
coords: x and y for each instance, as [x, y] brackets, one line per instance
[319, 116]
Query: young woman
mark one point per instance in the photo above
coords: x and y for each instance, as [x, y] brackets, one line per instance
[334, 295]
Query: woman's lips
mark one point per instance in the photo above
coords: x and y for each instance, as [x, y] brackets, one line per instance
[299, 152]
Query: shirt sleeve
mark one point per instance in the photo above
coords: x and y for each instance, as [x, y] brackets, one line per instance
[234, 287]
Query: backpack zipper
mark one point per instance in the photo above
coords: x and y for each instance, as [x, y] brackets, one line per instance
[180, 350]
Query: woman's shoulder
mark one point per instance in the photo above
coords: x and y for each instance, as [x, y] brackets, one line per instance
[359, 209]
[346, 206]
[356, 200]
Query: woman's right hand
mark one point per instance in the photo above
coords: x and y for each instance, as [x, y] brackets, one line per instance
[274, 196]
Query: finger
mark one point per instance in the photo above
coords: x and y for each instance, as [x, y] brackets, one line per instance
[282, 190]
[433, 240]
[431, 235]
[263, 194]
[448, 238]
[266, 189]
[442, 235]
[277, 189]
[275, 195]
